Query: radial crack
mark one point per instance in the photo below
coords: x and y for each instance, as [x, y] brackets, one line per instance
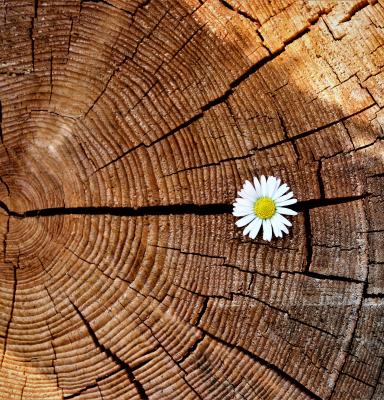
[79, 392]
[10, 315]
[240, 12]
[308, 237]
[356, 8]
[5, 239]
[191, 349]
[1, 123]
[267, 364]
[285, 312]
[170, 356]
[118, 361]
[325, 202]
[5, 184]
[286, 139]
[224, 97]
[349, 344]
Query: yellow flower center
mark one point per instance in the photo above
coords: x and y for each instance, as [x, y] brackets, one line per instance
[264, 207]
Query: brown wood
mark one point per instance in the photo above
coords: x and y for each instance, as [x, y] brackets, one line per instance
[127, 127]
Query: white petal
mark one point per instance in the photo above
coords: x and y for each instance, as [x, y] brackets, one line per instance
[286, 202]
[249, 190]
[286, 211]
[245, 220]
[285, 197]
[241, 211]
[244, 202]
[256, 224]
[271, 182]
[252, 226]
[263, 185]
[244, 194]
[277, 185]
[244, 207]
[282, 220]
[280, 191]
[257, 186]
[267, 230]
[276, 227]
[278, 221]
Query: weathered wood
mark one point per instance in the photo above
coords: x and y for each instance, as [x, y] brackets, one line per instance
[126, 129]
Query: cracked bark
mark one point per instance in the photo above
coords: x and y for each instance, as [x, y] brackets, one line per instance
[125, 136]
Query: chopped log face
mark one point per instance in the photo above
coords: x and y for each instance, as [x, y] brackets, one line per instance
[127, 127]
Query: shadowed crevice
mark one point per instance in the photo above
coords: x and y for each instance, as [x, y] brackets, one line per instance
[240, 12]
[266, 364]
[308, 237]
[174, 209]
[1, 122]
[118, 361]
[356, 8]
[232, 87]
[80, 392]
[287, 139]
[10, 315]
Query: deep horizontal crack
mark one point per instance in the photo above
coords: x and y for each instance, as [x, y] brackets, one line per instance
[171, 209]
[317, 203]
[177, 209]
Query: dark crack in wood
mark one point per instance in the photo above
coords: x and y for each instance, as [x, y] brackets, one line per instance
[10, 314]
[1, 123]
[356, 8]
[267, 364]
[308, 239]
[171, 209]
[240, 12]
[349, 346]
[224, 97]
[118, 361]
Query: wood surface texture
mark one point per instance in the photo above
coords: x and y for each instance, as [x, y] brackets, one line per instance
[127, 128]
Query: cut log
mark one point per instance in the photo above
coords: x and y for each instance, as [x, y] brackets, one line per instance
[127, 128]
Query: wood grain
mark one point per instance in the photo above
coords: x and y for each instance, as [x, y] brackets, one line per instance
[126, 129]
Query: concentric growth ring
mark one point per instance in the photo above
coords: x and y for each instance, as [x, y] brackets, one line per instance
[127, 128]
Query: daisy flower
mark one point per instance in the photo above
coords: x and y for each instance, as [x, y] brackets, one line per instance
[262, 204]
